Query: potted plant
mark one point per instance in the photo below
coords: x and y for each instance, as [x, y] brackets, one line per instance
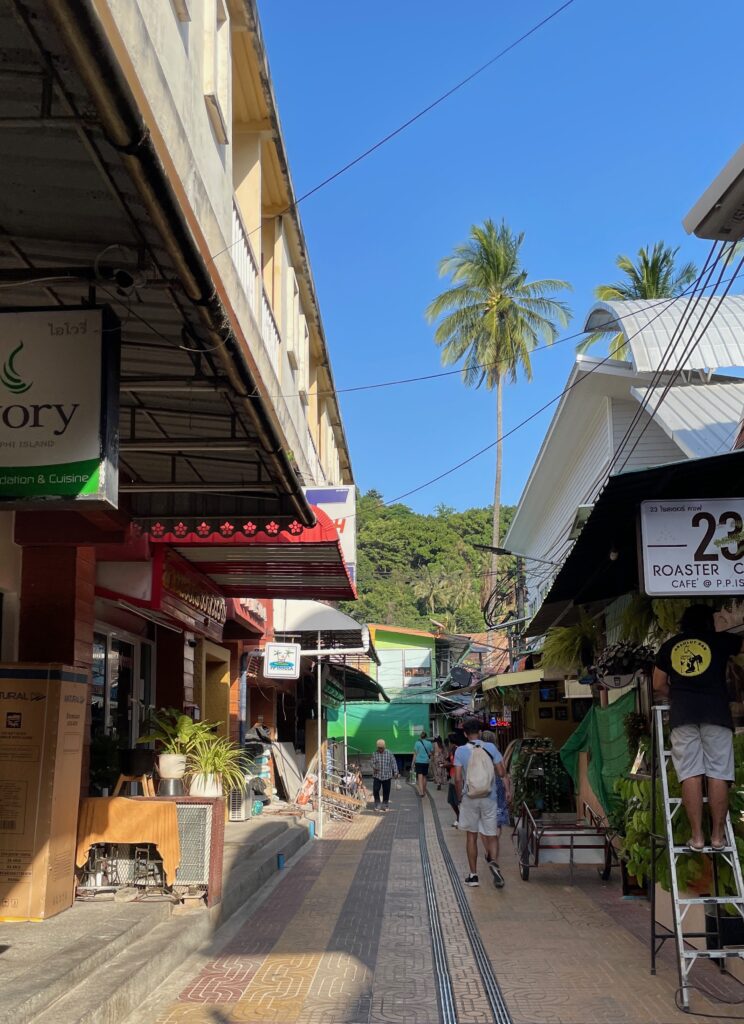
[215, 765]
[175, 733]
[618, 663]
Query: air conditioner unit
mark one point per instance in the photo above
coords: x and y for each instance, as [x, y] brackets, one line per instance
[240, 801]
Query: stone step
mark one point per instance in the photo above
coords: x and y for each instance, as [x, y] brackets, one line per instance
[115, 987]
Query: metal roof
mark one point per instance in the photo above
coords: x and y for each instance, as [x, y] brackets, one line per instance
[589, 577]
[305, 620]
[702, 419]
[649, 325]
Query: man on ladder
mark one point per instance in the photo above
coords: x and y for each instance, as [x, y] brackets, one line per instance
[691, 673]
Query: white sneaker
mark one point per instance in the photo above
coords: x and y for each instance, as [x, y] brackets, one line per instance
[472, 881]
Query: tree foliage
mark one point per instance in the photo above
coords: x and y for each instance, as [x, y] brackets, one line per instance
[413, 568]
[654, 275]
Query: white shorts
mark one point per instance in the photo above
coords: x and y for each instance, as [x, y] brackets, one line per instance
[703, 749]
[479, 814]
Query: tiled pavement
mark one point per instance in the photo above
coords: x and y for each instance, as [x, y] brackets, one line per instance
[344, 939]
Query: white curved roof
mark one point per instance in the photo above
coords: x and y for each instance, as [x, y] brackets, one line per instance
[649, 325]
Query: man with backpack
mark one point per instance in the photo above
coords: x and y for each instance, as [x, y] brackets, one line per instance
[477, 764]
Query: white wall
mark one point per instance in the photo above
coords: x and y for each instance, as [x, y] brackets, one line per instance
[653, 448]
[10, 587]
[580, 481]
[173, 62]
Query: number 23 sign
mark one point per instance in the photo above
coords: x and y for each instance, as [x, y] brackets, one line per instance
[693, 546]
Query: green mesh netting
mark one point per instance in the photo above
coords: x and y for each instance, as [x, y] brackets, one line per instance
[367, 722]
[602, 735]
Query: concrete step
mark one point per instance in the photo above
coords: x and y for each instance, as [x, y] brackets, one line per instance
[68, 948]
[111, 993]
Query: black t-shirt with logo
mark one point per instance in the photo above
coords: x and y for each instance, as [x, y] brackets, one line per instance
[696, 666]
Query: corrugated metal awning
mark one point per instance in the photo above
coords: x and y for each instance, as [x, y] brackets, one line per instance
[703, 419]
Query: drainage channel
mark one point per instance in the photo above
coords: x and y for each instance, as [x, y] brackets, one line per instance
[441, 968]
[495, 998]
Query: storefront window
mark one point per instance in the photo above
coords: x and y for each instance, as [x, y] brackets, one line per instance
[122, 694]
[98, 676]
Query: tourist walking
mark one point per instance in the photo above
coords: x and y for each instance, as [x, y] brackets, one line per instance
[453, 742]
[477, 764]
[384, 770]
[691, 673]
[439, 762]
[502, 816]
[422, 753]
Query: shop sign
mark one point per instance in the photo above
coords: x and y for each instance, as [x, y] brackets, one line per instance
[282, 661]
[188, 596]
[693, 547]
[339, 504]
[59, 383]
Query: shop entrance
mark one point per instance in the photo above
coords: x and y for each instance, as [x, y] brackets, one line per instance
[123, 686]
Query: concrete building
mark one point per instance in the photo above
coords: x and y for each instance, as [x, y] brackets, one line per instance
[168, 420]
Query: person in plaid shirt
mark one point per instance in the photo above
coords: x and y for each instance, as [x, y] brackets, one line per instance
[384, 769]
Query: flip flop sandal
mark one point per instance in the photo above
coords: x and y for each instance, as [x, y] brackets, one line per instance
[718, 847]
[695, 849]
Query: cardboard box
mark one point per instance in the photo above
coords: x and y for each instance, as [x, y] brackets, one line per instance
[42, 726]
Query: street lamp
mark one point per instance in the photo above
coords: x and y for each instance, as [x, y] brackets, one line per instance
[516, 554]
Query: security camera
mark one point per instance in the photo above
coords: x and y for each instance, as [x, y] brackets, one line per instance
[719, 213]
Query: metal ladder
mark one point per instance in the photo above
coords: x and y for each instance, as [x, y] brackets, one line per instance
[687, 955]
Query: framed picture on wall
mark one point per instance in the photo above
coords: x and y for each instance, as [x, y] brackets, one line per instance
[548, 692]
[580, 708]
[544, 712]
[561, 714]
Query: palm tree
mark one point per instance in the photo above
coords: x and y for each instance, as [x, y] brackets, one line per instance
[654, 275]
[491, 317]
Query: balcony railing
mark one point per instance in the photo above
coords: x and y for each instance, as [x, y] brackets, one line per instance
[244, 260]
[246, 266]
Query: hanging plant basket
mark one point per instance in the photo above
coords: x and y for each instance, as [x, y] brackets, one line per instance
[619, 664]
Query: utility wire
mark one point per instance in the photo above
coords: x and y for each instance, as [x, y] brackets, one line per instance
[411, 120]
[687, 353]
[666, 354]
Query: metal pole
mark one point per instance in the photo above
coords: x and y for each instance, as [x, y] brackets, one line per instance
[346, 731]
[320, 744]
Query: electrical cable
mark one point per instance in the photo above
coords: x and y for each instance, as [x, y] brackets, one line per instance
[687, 352]
[691, 305]
[708, 995]
[411, 120]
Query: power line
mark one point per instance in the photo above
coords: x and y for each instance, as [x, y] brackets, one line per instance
[666, 354]
[689, 349]
[411, 120]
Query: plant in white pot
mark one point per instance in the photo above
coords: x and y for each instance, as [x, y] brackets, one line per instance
[175, 734]
[215, 765]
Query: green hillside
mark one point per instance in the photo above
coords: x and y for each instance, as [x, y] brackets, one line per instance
[413, 568]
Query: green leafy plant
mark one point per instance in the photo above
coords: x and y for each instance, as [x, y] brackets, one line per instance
[571, 647]
[537, 775]
[175, 732]
[636, 729]
[218, 756]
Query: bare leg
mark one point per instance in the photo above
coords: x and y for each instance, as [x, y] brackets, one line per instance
[424, 780]
[692, 798]
[492, 845]
[472, 850]
[718, 804]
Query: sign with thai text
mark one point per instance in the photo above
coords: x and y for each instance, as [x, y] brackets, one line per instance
[693, 547]
[58, 406]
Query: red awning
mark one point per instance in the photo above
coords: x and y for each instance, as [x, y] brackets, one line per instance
[257, 558]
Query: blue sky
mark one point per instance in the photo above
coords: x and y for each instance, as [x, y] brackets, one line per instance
[594, 137]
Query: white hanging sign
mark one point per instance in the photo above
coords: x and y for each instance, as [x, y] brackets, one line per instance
[282, 661]
[693, 547]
